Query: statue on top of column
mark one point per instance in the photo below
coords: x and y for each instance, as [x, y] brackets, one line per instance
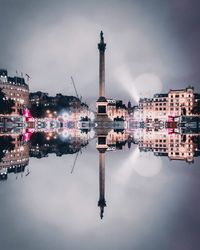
[101, 36]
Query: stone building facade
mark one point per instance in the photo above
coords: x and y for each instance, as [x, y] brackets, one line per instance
[16, 89]
[162, 106]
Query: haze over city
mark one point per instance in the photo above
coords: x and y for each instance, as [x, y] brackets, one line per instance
[149, 42]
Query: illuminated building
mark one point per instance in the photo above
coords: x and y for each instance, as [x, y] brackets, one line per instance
[53, 106]
[38, 97]
[181, 101]
[145, 109]
[162, 106]
[116, 109]
[16, 89]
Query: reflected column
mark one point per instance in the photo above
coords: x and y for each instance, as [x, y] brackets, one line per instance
[101, 202]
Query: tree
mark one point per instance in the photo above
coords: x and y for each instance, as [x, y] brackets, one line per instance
[196, 109]
[6, 105]
[38, 110]
[38, 139]
[6, 144]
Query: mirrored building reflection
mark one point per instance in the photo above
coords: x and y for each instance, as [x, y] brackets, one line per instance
[168, 125]
[15, 158]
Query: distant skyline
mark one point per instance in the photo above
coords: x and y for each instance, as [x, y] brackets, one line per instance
[152, 46]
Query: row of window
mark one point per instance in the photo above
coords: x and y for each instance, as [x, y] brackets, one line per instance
[180, 95]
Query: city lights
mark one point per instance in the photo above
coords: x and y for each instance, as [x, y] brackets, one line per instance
[65, 116]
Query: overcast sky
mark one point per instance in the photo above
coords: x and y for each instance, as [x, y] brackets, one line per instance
[152, 45]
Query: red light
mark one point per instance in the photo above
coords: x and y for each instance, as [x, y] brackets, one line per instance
[27, 113]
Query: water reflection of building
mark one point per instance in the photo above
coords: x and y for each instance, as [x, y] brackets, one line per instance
[17, 159]
[116, 140]
[116, 109]
[42, 144]
[16, 89]
[175, 145]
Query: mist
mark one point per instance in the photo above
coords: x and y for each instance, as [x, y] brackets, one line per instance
[54, 40]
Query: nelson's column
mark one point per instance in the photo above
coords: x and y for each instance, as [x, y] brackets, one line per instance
[101, 102]
[101, 128]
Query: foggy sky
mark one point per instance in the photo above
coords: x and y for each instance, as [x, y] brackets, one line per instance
[154, 41]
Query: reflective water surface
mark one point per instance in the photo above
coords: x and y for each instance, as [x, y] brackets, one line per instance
[55, 187]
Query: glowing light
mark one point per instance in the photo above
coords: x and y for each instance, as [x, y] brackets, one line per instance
[65, 133]
[27, 113]
[92, 116]
[144, 85]
[92, 133]
[26, 137]
[124, 173]
[65, 116]
[147, 85]
[148, 167]
[123, 75]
